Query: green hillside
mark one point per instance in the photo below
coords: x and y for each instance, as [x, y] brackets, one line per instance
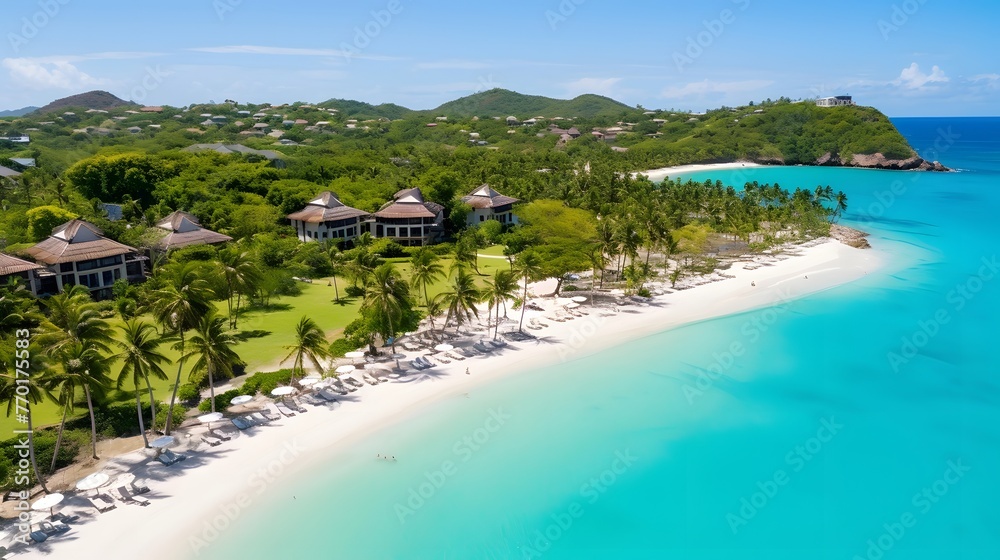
[362, 110]
[501, 102]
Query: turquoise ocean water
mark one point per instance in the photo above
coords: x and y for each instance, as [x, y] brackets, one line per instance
[861, 422]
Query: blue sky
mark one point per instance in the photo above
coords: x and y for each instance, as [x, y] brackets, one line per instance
[908, 58]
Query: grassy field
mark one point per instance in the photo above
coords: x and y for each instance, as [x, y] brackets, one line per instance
[276, 326]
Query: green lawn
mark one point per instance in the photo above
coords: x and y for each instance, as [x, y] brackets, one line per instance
[277, 325]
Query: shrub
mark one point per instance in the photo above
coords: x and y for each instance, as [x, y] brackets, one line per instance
[189, 392]
[644, 292]
[341, 346]
[113, 420]
[265, 381]
[161, 414]
[570, 288]
[387, 249]
[221, 401]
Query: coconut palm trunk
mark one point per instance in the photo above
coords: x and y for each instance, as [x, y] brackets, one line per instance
[93, 422]
[59, 435]
[31, 452]
[173, 394]
[138, 413]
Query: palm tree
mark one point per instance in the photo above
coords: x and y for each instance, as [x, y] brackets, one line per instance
[336, 265]
[434, 308]
[388, 295]
[426, 268]
[466, 250]
[74, 318]
[83, 367]
[17, 402]
[141, 360]
[460, 298]
[502, 287]
[840, 204]
[528, 267]
[179, 307]
[242, 275]
[212, 345]
[310, 345]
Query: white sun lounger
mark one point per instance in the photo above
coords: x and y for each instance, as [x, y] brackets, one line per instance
[100, 504]
[129, 498]
[211, 440]
[281, 408]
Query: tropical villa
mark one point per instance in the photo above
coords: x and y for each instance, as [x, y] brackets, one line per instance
[78, 253]
[409, 220]
[181, 229]
[13, 269]
[488, 204]
[326, 217]
[834, 101]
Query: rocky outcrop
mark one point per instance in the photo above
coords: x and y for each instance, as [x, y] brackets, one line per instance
[879, 161]
[850, 236]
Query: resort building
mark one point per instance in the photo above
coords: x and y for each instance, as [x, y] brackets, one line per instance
[13, 269]
[488, 204]
[181, 229]
[408, 220]
[834, 101]
[326, 217]
[78, 253]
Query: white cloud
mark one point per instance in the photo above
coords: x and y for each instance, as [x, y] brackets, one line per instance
[452, 65]
[913, 78]
[706, 87]
[289, 51]
[600, 86]
[120, 55]
[989, 80]
[44, 74]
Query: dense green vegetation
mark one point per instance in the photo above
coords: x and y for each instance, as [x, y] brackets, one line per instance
[501, 102]
[120, 367]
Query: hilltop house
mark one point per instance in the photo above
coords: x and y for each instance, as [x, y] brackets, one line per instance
[488, 204]
[326, 217]
[181, 229]
[270, 155]
[834, 101]
[18, 270]
[408, 219]
[78, 253]
[8, 172]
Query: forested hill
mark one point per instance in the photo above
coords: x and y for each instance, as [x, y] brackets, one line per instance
[502, 102]
[91, 100]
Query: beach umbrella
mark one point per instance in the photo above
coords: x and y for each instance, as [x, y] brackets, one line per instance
[48, 503]
[355, 355]
[92, 482]
[242, 399]
[209, 418]
[573, 305]
[307, 381]
[344, 369]
[444, 347]
[579, 299]
[162, 441]
[283, 391]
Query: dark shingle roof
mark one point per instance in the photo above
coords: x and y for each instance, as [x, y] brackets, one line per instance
[184, 230]
[326, 208]
[75, 241]
[14, 265]
[486, 197]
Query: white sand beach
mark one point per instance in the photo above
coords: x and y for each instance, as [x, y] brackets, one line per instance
[664, 172]
[215, 484]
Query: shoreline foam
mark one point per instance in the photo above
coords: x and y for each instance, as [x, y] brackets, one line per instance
[189, 496]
